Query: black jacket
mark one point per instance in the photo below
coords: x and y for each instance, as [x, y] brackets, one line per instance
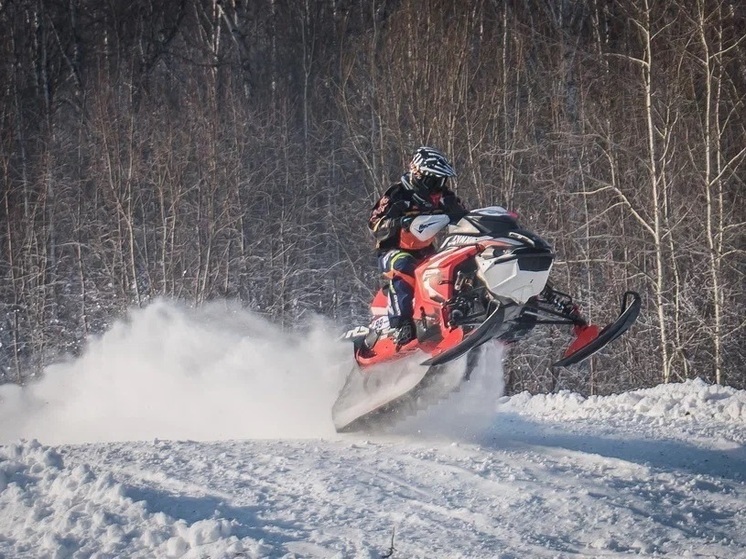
[399, 204]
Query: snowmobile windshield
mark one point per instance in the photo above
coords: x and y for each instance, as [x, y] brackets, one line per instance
[495, 223]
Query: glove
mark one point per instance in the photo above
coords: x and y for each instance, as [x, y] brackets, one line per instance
[457, 215]
[453, 207]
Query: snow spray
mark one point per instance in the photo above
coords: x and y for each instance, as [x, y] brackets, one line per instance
[168, 371]
[468, 413]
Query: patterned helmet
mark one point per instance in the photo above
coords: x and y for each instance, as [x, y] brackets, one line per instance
[428, 171]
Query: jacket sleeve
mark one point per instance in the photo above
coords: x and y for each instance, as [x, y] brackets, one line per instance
[386, 219]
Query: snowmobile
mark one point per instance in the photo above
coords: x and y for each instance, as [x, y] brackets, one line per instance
[488, 280]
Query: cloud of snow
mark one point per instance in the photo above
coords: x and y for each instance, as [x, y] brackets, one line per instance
[469, 413]
[692, 399]
[172, 372]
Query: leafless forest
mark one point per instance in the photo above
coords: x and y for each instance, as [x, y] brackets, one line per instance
[203, 149]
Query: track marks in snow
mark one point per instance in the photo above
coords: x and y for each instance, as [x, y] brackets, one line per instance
[515, 494]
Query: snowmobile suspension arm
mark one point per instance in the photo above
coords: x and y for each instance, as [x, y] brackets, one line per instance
[574, 320]
[560, 322]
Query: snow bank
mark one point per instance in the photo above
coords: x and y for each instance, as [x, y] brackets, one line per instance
[168, 371]
[691, 400]
[52, 511]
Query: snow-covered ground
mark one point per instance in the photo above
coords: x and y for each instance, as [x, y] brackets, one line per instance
[235, 456]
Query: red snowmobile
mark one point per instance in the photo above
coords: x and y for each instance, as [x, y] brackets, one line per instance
[487, 281]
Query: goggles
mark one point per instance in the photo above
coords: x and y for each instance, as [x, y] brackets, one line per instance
[429, 182]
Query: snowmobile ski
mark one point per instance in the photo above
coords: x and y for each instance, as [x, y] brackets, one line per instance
[631, 303]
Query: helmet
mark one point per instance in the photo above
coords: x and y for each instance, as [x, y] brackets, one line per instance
[428, 171]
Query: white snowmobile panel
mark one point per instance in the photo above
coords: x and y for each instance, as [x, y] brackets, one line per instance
[506, 279]
[425, 227]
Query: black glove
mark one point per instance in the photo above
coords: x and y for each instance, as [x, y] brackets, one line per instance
[453, 207]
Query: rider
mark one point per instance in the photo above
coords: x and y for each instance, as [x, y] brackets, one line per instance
[421, 190]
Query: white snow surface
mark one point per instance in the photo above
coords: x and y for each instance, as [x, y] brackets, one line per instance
[207, 434]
